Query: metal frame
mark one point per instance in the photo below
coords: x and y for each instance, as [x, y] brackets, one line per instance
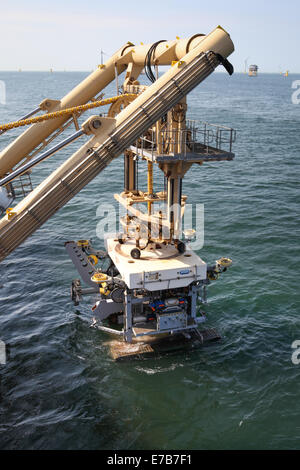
[199, 140]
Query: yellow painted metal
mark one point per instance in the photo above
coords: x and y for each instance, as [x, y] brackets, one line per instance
[83, 243]
[150, 184]
[99, 278]
[85, 91]
[110, 140]
[221, 27]
[104, 291]
[120, 103]
[9, 212]
[74, 109]
[165, 53]
[93, 259]
[225, 262]
[217, 41]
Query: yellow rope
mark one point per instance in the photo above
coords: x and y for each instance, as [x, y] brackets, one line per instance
[46, 117]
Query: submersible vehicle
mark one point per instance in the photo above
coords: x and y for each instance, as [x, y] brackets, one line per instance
[147, 280]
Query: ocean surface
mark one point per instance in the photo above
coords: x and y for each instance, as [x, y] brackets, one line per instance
[61, 390]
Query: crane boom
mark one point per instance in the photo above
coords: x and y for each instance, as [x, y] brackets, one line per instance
[110, 136]
[85, 91]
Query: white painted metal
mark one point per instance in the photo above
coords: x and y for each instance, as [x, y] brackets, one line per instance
[160, 272]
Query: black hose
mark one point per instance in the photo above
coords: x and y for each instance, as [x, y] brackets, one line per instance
[149, 58]
[225, 62]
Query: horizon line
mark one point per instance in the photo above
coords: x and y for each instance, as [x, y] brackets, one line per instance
[89, 71]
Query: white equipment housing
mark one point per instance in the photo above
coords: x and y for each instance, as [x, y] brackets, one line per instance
[159, 269]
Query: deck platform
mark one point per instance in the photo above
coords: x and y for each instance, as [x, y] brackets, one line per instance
[202, 153]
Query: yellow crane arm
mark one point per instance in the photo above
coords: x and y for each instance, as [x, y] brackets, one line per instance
[128, 57]
[111, 138]
[63, 112]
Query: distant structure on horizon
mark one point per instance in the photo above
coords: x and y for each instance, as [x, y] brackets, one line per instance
[284, 74]
[253, 69]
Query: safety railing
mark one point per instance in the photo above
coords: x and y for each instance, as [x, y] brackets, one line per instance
[196, 137]
[212, 135]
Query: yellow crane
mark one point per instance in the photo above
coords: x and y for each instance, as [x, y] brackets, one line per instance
[146, 123]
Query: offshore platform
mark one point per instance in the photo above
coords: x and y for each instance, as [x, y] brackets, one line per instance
[253, 70]
[147, 281]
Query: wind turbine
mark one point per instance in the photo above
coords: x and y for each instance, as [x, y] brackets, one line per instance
[246, 64]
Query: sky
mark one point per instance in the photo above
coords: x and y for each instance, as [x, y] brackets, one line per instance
[69, 34]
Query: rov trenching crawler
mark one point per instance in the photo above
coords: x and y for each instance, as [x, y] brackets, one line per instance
[148, 279]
